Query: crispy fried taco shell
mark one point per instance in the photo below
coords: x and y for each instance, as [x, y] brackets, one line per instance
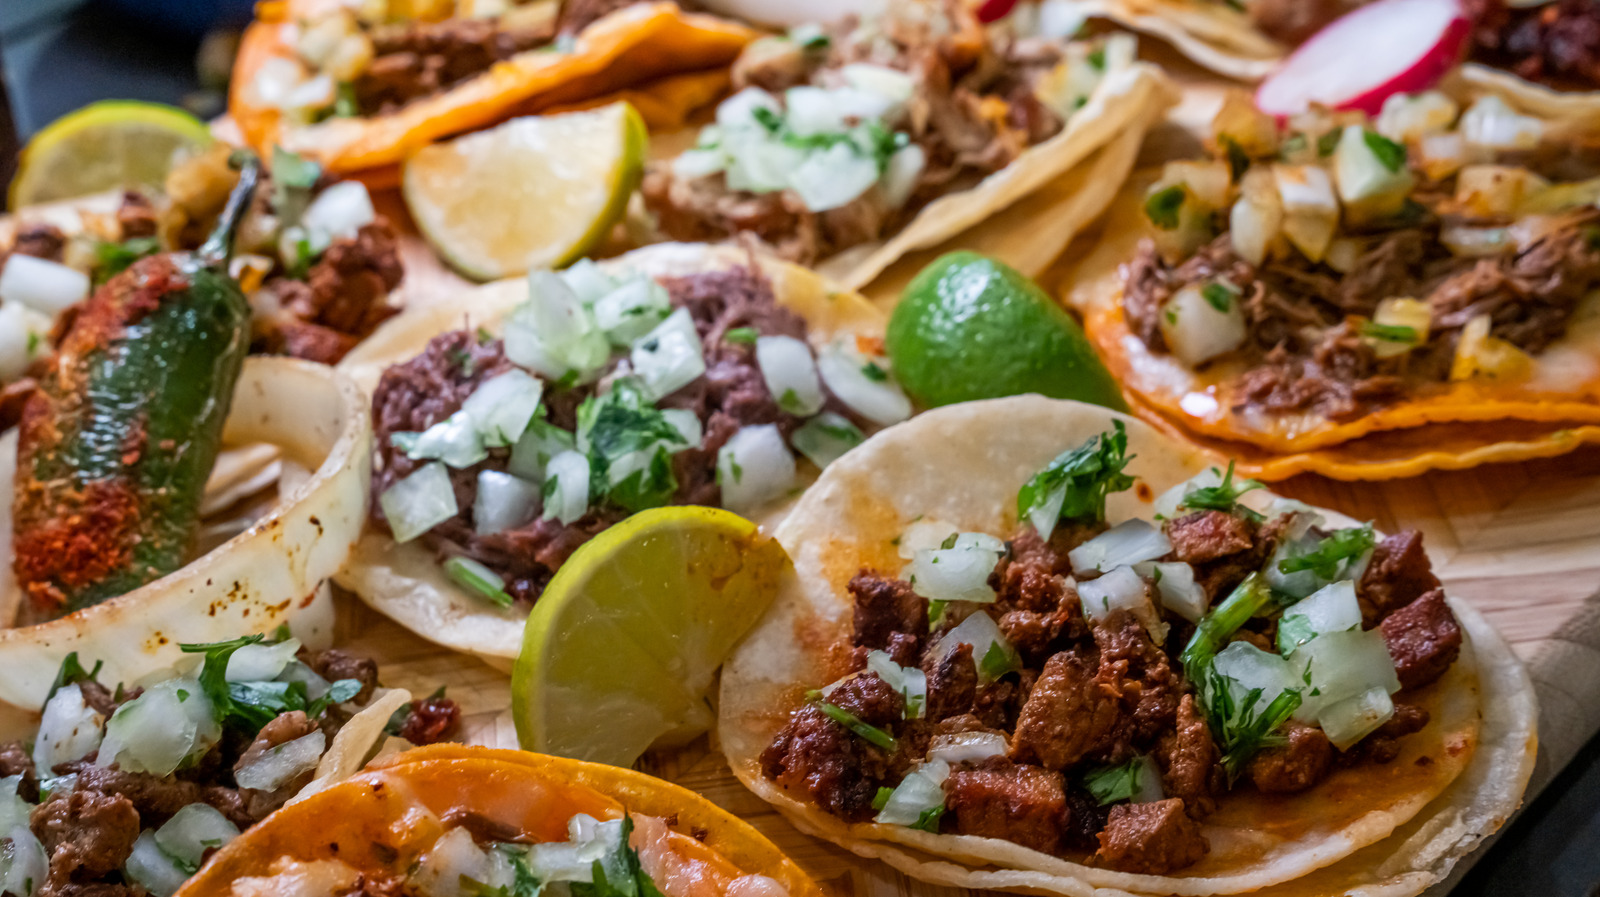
[1412, 818]
[628, 48]
[381, 820]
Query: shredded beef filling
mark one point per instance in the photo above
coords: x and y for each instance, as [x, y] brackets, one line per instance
[960, 82]
[1091, 693]
[88, 831]
[732, 394]
[1303, 355]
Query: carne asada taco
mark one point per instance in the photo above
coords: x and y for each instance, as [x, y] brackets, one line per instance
[522, 420]
[991, 669]
[1343, 277]
[357, 90]
[855, 145]
[118, 788]
[430, 821]
[1544, 54]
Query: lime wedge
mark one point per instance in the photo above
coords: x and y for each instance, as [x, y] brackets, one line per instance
[969, 327]
[622, 647]
[534, 192]
[104, 146]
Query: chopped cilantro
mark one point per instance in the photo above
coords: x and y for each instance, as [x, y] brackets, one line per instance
[617, 425]
[852, 722]
[34, 339]
[874, 372]
[1172, 316]
[1162, 206]
[997, 661]
[72, 673]
[1223, 496]
[1097, 59]
[471, 575]
[1340, 546]
[928, 820]
[743, 335]
[1116, 782]
[1238, 160]
[345, 104]
[1247, 600]
[1294, 631]
[768, 119]
[1078, 481]
[1390, 333]
[881, 799]
[112, 259]
[1219, 294]
[1391, 154]
[619, 873]
[1328, 142]
[251, 705]
[1238, 726]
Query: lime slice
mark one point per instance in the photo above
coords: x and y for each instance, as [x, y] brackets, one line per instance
[621, 648]
[103, 146]
[969, 327]
[534, 192]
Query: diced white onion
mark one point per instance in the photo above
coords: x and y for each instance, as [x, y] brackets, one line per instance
[454, 440]
[1329, 609]
[68, 730]
[825, 438]
[759, 163]
[278, 766]
[1342, 665]
[1198, 331]
[738, 111]
[1059, 18]
[889, 83]
[1310, 208]
[568, 498]
[156, 731]
[1122, 589]
[688, 425]
[260, 663]
[927, 533]
[920, 791]
[1245, 668]
[754, 468]
[981, 632]
[588, 840]
[967, 747]
[1365, 183]
[1296, 541]
[316, 92]
[844, 371]
[790, 374]
[14, 811]
[340, 211]
[504, 502]
[953, 574]
[23, 864]
[813, 110]
[1150, 789]
[910, 682]
[587, 281]
[1407, 118]
[455, 858]
[193, 830]
[901, 173]
[833, 177]
[1492, 124]
[1129, 542]
[152, 867]
[699, 163]
[45, 286]
[554, 334]
[1354, 718]
[502, 406]
[24, 337]
[1256, 218]
[419, 502]
[541, 442]
[1176, 588]
[632, 310]
[670, 356]
[275, 80]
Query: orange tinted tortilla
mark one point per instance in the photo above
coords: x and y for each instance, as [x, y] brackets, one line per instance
[1564, 388]
[628, 48]
[384, 818]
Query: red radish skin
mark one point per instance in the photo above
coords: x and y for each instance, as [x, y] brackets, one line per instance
[994, 10]
[1369, 55]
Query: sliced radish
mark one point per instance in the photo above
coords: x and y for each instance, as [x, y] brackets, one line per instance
[1362, 59]
[994, 10]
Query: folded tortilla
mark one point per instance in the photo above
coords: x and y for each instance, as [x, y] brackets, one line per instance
[1394, 829]
[406, 582]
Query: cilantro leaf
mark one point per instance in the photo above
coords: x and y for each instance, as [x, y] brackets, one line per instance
[1219, 294]
[1390, 333]
[854, 723]
[1340, 546]
[881, 799]
[111, 259]
[743, 335]
[1223, 496]
[928, 821]
[72, 673]
[1163, 205]
[1391, 154]
[1077, 482]
[1239, 727]
[619, 424]
[1119, 781]
[1329, 142]
[1238, 159]
[293, 178]
[997, 662]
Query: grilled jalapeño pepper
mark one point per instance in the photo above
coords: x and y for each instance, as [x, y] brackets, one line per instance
[116, 444]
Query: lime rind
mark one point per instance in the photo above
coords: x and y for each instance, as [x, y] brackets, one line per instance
[54, 167]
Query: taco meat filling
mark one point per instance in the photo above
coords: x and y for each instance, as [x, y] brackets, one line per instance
[126, 790]
[1017, 692]
[614, 438]
[839, 137]
[1362, 263]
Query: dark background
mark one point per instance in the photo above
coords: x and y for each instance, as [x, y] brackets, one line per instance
[60, 54]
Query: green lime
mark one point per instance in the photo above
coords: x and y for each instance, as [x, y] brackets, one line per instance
[622, 647]
[969, 327]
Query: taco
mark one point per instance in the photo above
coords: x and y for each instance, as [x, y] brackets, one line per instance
[118, 788]
[991, 669]
[1543, 54]
[1341, 278]
[448, 820]
[852, 146]
[674, 374]
[357, 89]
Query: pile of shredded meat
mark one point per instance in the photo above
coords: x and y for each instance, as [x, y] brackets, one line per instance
[973, 113]
[1093, 692]
[89, 830]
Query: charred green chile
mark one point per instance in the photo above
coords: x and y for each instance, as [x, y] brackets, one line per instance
[117, 443]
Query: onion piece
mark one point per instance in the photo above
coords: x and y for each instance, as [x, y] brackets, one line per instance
[833, 178]
[1130, 542]
[419, 502]
[455, 857]
[754, 467]
[1329, 609]
[864, 384]
[1176, 588]
[1407, 118]
[554, 334]
[454, 440]
[340, 211]
[504, 502]
[540, 442]
[567, 487]
[1122, 589]
[953, 574]
[1354, 718]
[631, 310]
[1245, 668]
[811, 111]
[919, 793]
[153, 868]
[588, 282]
[991, 650]
[68, 730]
[502, 406]
[1170, 502]
[825, 438]
[967, 747]
[259, 662]
[278, 766]
[669, 357]
[1341, 665]
[193, 830]
[790, 374]
[23, 864]
[45, 286]
[902, 173]
[155, 732]
[24, 338]
[910, 682]
[1491, 124]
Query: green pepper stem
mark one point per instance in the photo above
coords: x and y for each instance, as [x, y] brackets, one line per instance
[218, 247]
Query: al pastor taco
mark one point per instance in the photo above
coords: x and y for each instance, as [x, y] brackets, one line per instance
[1346, 277]
[358, 89]
[446, 821]
[857, 144]
[516, 424]
[1072, 658]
